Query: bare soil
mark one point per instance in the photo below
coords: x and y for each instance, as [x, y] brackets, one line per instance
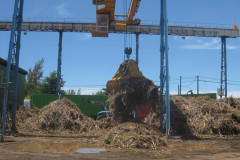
[43, 147]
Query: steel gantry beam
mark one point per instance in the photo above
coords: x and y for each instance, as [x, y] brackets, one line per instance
[223, 83]
[13, 59]
[59, 65]
[142, 29]
[164, 69]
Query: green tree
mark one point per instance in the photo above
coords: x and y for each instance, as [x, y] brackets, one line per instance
[34, 75]
[103, 92]
[33, 84]
[49, 84]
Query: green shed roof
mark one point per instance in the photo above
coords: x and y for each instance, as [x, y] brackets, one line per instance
[4, 62]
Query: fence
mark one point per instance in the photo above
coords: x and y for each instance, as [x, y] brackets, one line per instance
[39, 101]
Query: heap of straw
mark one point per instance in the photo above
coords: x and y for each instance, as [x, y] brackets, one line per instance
[131, 92]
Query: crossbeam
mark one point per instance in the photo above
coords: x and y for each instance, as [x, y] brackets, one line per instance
[142, 29]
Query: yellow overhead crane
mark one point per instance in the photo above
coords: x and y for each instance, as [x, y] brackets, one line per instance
[106, 16]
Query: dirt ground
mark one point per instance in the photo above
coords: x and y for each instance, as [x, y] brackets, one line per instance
[39, 147]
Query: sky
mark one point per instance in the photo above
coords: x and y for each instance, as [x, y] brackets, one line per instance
[89, 62]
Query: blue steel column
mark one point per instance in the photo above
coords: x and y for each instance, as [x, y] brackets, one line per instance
[18, 45]
[137, 61]
[137, 47]
[223, 85]
[164, 74]
[162, 67]
[59, 65]
[225, 62]
[10, 56]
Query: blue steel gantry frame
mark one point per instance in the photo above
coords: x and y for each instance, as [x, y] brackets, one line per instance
[164, 70]
[223, 83]
[13, 59]
[59, 65]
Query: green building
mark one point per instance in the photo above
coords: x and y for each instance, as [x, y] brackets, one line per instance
[21, 83]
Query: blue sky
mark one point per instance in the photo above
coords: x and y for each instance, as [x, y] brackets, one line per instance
[88, 63]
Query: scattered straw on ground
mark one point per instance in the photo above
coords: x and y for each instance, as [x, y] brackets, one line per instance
[131, 135]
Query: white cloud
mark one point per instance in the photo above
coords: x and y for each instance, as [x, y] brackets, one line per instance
[86, 36]
[84, 90]
[214, 44]
[61, 9]
[235, 94]
[231, 47]
[176, 37]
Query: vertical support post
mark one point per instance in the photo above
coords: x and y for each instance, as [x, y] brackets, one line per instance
[167, 97]
[197, 84]
[180, 90]
[225, 64]
[223, 83]
[164, 73]
[17, 13]
[18, 45]
[137, 61]
[59, 65]
[162, 66]
[137, 47]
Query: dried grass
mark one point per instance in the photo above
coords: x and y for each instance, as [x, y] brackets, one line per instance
[132, 92]
[232, 102]
[63, 117]
[59, 115]
[191, 115]
[63, 114]
[201, 115]
[131, 135]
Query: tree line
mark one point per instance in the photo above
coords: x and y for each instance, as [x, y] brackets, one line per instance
[36, 84]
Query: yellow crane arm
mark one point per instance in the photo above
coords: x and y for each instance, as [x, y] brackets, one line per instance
[108, 8]
[106, 13]
[132, 10]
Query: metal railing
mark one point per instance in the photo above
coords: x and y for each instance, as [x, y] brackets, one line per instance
[189, 24]
[51, 19]
[143, 22]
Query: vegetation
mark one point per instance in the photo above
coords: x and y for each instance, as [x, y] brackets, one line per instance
[36, 84]
[49, 84]
[33, 84]
[103, 92]
[73, 92]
